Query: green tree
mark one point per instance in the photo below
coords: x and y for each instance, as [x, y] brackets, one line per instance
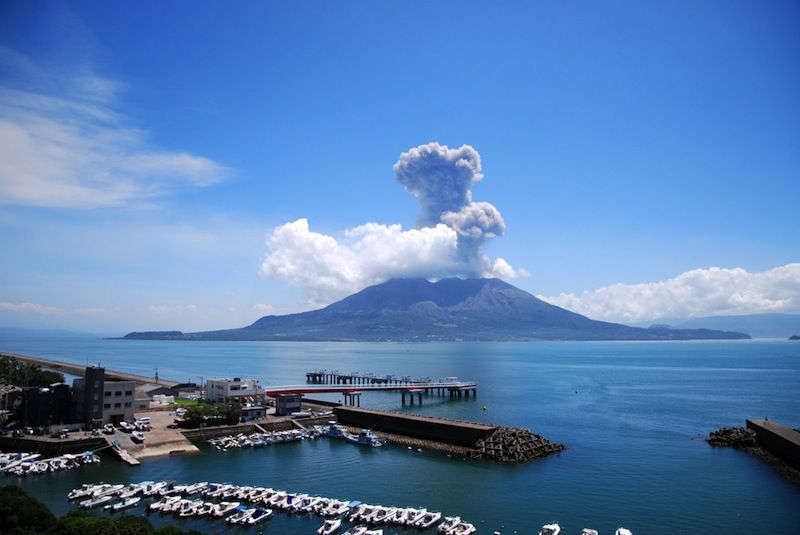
[22, 515]
[19, 373]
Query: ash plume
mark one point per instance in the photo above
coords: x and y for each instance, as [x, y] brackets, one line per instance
[441, 179]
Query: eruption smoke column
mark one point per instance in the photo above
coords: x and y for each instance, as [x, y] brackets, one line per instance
[441, 179]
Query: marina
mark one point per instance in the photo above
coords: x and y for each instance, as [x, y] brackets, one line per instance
[248, 505]
[25, 464]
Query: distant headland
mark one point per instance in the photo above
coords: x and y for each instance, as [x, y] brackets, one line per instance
[794, 337]
[447, 310]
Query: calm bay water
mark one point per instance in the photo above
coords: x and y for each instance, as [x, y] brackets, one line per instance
[633, 416]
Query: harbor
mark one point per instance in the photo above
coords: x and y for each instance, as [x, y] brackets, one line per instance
[609, 429]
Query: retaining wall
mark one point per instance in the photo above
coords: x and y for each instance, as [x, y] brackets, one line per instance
[423, 427]
[778, 440]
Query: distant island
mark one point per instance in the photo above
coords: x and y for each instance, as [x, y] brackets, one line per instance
[794, 337]
[453, 309]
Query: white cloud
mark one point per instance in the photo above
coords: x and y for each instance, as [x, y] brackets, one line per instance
[696, 293]
[328, 269]
[34, 308]
[263, 308]
[63, 144]
[171, 310]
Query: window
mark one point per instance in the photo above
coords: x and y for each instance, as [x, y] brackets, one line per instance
[118, 394]
[96, 396]
[128, 404]
[108, 394]
[117, 405]
[97, 384]
[129, 392]
[107, 405]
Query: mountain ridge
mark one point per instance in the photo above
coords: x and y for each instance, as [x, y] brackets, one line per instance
[447, 310]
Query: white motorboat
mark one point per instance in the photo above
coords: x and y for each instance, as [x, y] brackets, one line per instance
[464, 528]
[429, 519]
[329, 527]
[374, 532]
[356, 530]
[588, 531]
[163, 502]
[240, 517]
[259, 515]
[196, 488]
[415, 515]
[449, 523]
[94, 502]
[224, 508]
[124, 504]
[550, 529]
[623, 531]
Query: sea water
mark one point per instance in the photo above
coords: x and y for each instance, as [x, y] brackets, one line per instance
[633, 416]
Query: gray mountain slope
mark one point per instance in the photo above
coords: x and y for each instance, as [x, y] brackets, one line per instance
[450, 309]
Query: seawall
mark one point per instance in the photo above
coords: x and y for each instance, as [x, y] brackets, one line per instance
[778, 440]
[422, 427]
[51, 447]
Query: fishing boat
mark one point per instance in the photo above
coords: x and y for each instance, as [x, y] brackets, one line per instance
[550, 529]
[329, 527]
[366, 438]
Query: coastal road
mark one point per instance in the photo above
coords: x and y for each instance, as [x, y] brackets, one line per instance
[80, 371]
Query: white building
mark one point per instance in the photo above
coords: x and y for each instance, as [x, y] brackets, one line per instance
[220, 390]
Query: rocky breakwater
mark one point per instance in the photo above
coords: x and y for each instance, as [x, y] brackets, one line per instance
[746, 439]
[733, 437]
[514, 445]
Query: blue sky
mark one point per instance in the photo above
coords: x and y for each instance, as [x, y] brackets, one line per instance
[152, 147]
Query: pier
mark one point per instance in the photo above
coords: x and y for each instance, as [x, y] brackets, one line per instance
[352, 385]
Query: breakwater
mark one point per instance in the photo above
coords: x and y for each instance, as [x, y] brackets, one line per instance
[475, 440]
[773, 443]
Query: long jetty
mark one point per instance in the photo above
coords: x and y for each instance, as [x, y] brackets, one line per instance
[79, 370]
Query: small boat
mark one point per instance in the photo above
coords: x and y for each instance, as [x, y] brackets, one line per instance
[329, 527]
[550, 529]
[464, 528]
[588, 531]
[623, 531]
[163, 502]
[205, 509]
[366, 438]
[124, 504]
[356, 530]
[259, 515]
[224, 508]
[374, 532]
[196, 488]
[240, 517]
[429, 519]
[415, 515]
[94, 502]
[449, 523]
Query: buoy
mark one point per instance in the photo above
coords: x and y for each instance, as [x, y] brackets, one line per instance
[484, 407]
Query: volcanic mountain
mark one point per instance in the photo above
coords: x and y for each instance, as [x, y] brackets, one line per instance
[450, 309]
